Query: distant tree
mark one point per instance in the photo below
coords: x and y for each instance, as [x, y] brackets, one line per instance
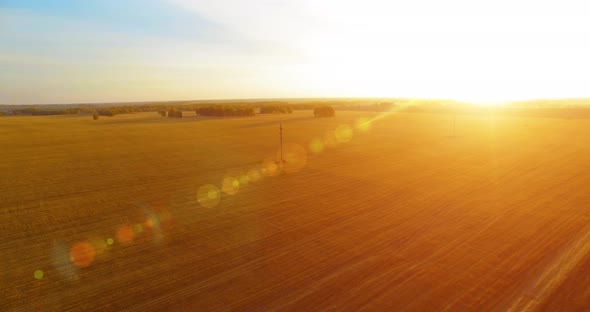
[162, 113]
[303, 106]
[38, 112]
[324, 111]
[225, 111]
[107, 112]
[276, 109]
[72, 111]
[174, 113]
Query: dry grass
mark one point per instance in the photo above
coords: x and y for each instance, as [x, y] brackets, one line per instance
[402, 217]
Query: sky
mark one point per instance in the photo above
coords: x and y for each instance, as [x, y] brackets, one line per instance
[58, 51]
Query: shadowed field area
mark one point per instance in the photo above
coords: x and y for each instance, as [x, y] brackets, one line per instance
[400, 213]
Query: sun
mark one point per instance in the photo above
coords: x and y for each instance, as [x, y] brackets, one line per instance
[361, 51]
[488, 103]
[372, 67]
[483, 101]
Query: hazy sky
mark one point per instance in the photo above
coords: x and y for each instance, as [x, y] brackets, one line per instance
[58, 51]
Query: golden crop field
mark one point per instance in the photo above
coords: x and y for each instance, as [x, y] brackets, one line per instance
[395, 213]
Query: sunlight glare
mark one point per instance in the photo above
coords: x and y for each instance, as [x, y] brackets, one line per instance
[362, 124]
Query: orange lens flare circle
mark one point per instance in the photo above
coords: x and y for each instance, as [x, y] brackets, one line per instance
[125, 234]
[82, 254]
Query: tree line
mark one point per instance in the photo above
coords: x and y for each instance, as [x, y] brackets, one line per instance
[174, 111]
[225, 110]
[324, 111]
[276, 109]
[46, 112]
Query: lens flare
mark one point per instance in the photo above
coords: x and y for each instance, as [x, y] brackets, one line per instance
[82, 254]
[363, 124]
[149, 223]
[99, 244]
[110, 241]
[62, 261]
[294, 156]
[38, 274]
[244, 180]
[254, 175]
[125, 234]
[230, 185]
[270, 168]
[343, 133]
[316, 146]
[138, 228]
[152, 224]
[208, 196]
[330, 139]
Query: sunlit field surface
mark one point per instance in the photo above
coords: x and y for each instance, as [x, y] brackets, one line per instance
[140, 212]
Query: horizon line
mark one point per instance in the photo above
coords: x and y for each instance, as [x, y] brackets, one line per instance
[265, 99]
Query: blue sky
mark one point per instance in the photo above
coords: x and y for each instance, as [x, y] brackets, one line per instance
[132, 17]
[100, 51]
[85, 51]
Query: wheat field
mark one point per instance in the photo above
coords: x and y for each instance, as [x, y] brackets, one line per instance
[394, 213]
